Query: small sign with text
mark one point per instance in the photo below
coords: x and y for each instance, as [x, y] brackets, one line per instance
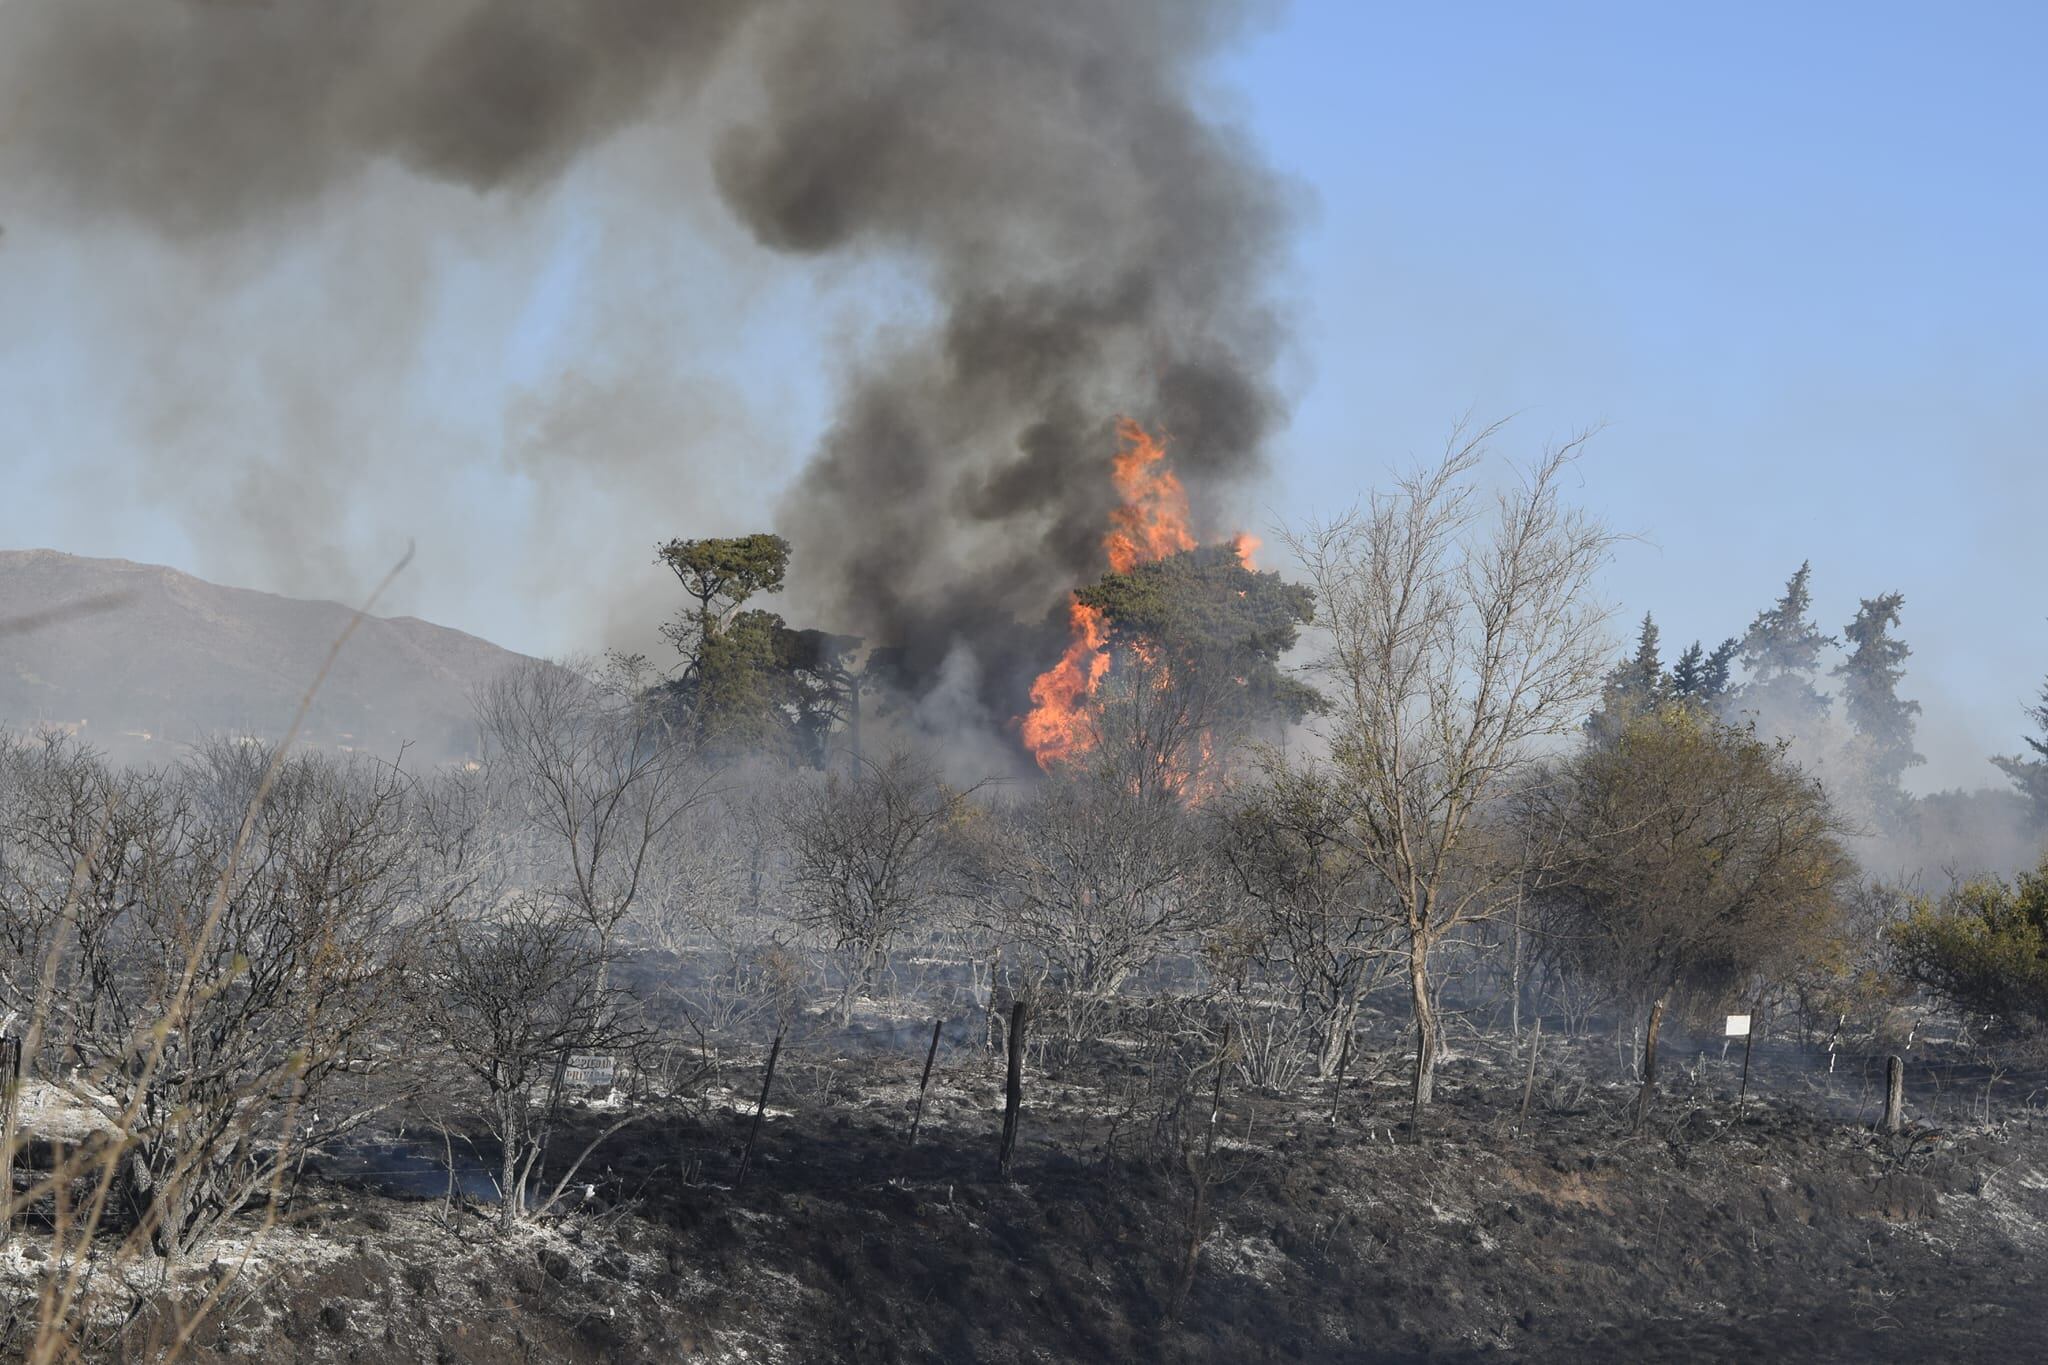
[590, 1071]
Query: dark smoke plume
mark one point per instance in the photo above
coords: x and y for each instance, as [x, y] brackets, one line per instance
[1093, 241]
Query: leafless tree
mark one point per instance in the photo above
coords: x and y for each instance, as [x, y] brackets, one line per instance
[1318, 909]
[511, 992]
[1093, 880]
[868, 857]
[713, 903]
[223, 962]
[602, 784]
[1456, 640]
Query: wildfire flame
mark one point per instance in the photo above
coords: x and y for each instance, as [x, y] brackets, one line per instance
[1057, 727]
[1150, 522]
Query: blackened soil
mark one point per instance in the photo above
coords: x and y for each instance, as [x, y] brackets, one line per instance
[1776, 1232]
[1780, 1231]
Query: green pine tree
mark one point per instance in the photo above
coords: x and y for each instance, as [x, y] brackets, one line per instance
[1701, 677]
[2030, 775]
[1637, 685]
[1870, 689]
[1782, 651]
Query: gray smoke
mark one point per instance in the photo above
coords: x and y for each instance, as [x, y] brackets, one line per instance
[1092, 240]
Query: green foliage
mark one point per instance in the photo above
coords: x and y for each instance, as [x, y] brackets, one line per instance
[1636, 685]
[1782, 651]
[1702, 677]
[749, 682]
[1219, 628]
[739, 691]
[721, 574]
[1688, 854]
[1983, 948]
[1870, 689]
[2030, 775]
[822, 689]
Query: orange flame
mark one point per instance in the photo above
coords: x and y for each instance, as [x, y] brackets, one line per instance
[1150, 522]
[1058, 726]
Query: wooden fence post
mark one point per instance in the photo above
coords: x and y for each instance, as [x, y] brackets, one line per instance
[1649, 1065]
[1748, 1042]
[931, 1055]
[1894, 1094]
[1013, 1092]
[760, 1107]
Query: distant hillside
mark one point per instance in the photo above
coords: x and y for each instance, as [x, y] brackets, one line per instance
[142, 660]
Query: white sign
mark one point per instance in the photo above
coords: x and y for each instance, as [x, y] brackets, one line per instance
[590, 1071]
[1738, 1026]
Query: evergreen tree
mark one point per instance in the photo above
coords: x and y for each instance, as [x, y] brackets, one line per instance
[1701, 677]
[1782, 652]
[735, 690]
[1689, 672]
[1219, 628]
[2030, 775]
[1643, 675]
[1714, 682]
[1870, 689]
[1636, 685]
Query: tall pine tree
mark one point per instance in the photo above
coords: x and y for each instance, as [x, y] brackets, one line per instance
[1782, 652]
[2030, 775]
[1702, 677]
[1870, 690]
[1636, 685]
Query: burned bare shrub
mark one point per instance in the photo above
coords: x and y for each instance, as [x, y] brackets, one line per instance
[869, 856]
[1094, 880]
[512, 990]
[207, 951]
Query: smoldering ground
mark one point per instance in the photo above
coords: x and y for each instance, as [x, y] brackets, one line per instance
[1080, 233]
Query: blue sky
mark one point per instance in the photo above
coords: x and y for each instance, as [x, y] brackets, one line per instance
[1787, 258]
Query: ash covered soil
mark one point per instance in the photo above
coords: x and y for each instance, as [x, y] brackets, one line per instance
[1785, 1230]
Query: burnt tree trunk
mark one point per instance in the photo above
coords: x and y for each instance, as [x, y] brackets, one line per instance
[1426, 1044]
[1894, 1094]
[11, 1071]
[1201, 1176]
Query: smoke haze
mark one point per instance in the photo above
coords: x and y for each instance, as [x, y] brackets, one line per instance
[1076, 235]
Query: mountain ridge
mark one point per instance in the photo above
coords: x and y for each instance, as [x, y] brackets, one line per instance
[142, 660]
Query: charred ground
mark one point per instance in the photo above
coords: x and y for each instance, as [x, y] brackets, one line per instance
[1778, 1227]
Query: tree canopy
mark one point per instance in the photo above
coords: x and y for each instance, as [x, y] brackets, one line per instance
[1983, 947]
[1689, 854]
[1782, 651]
[2030, 775]
[1870, 689]
[1218, 627]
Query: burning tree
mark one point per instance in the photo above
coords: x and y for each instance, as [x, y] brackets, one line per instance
[1175, 652]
